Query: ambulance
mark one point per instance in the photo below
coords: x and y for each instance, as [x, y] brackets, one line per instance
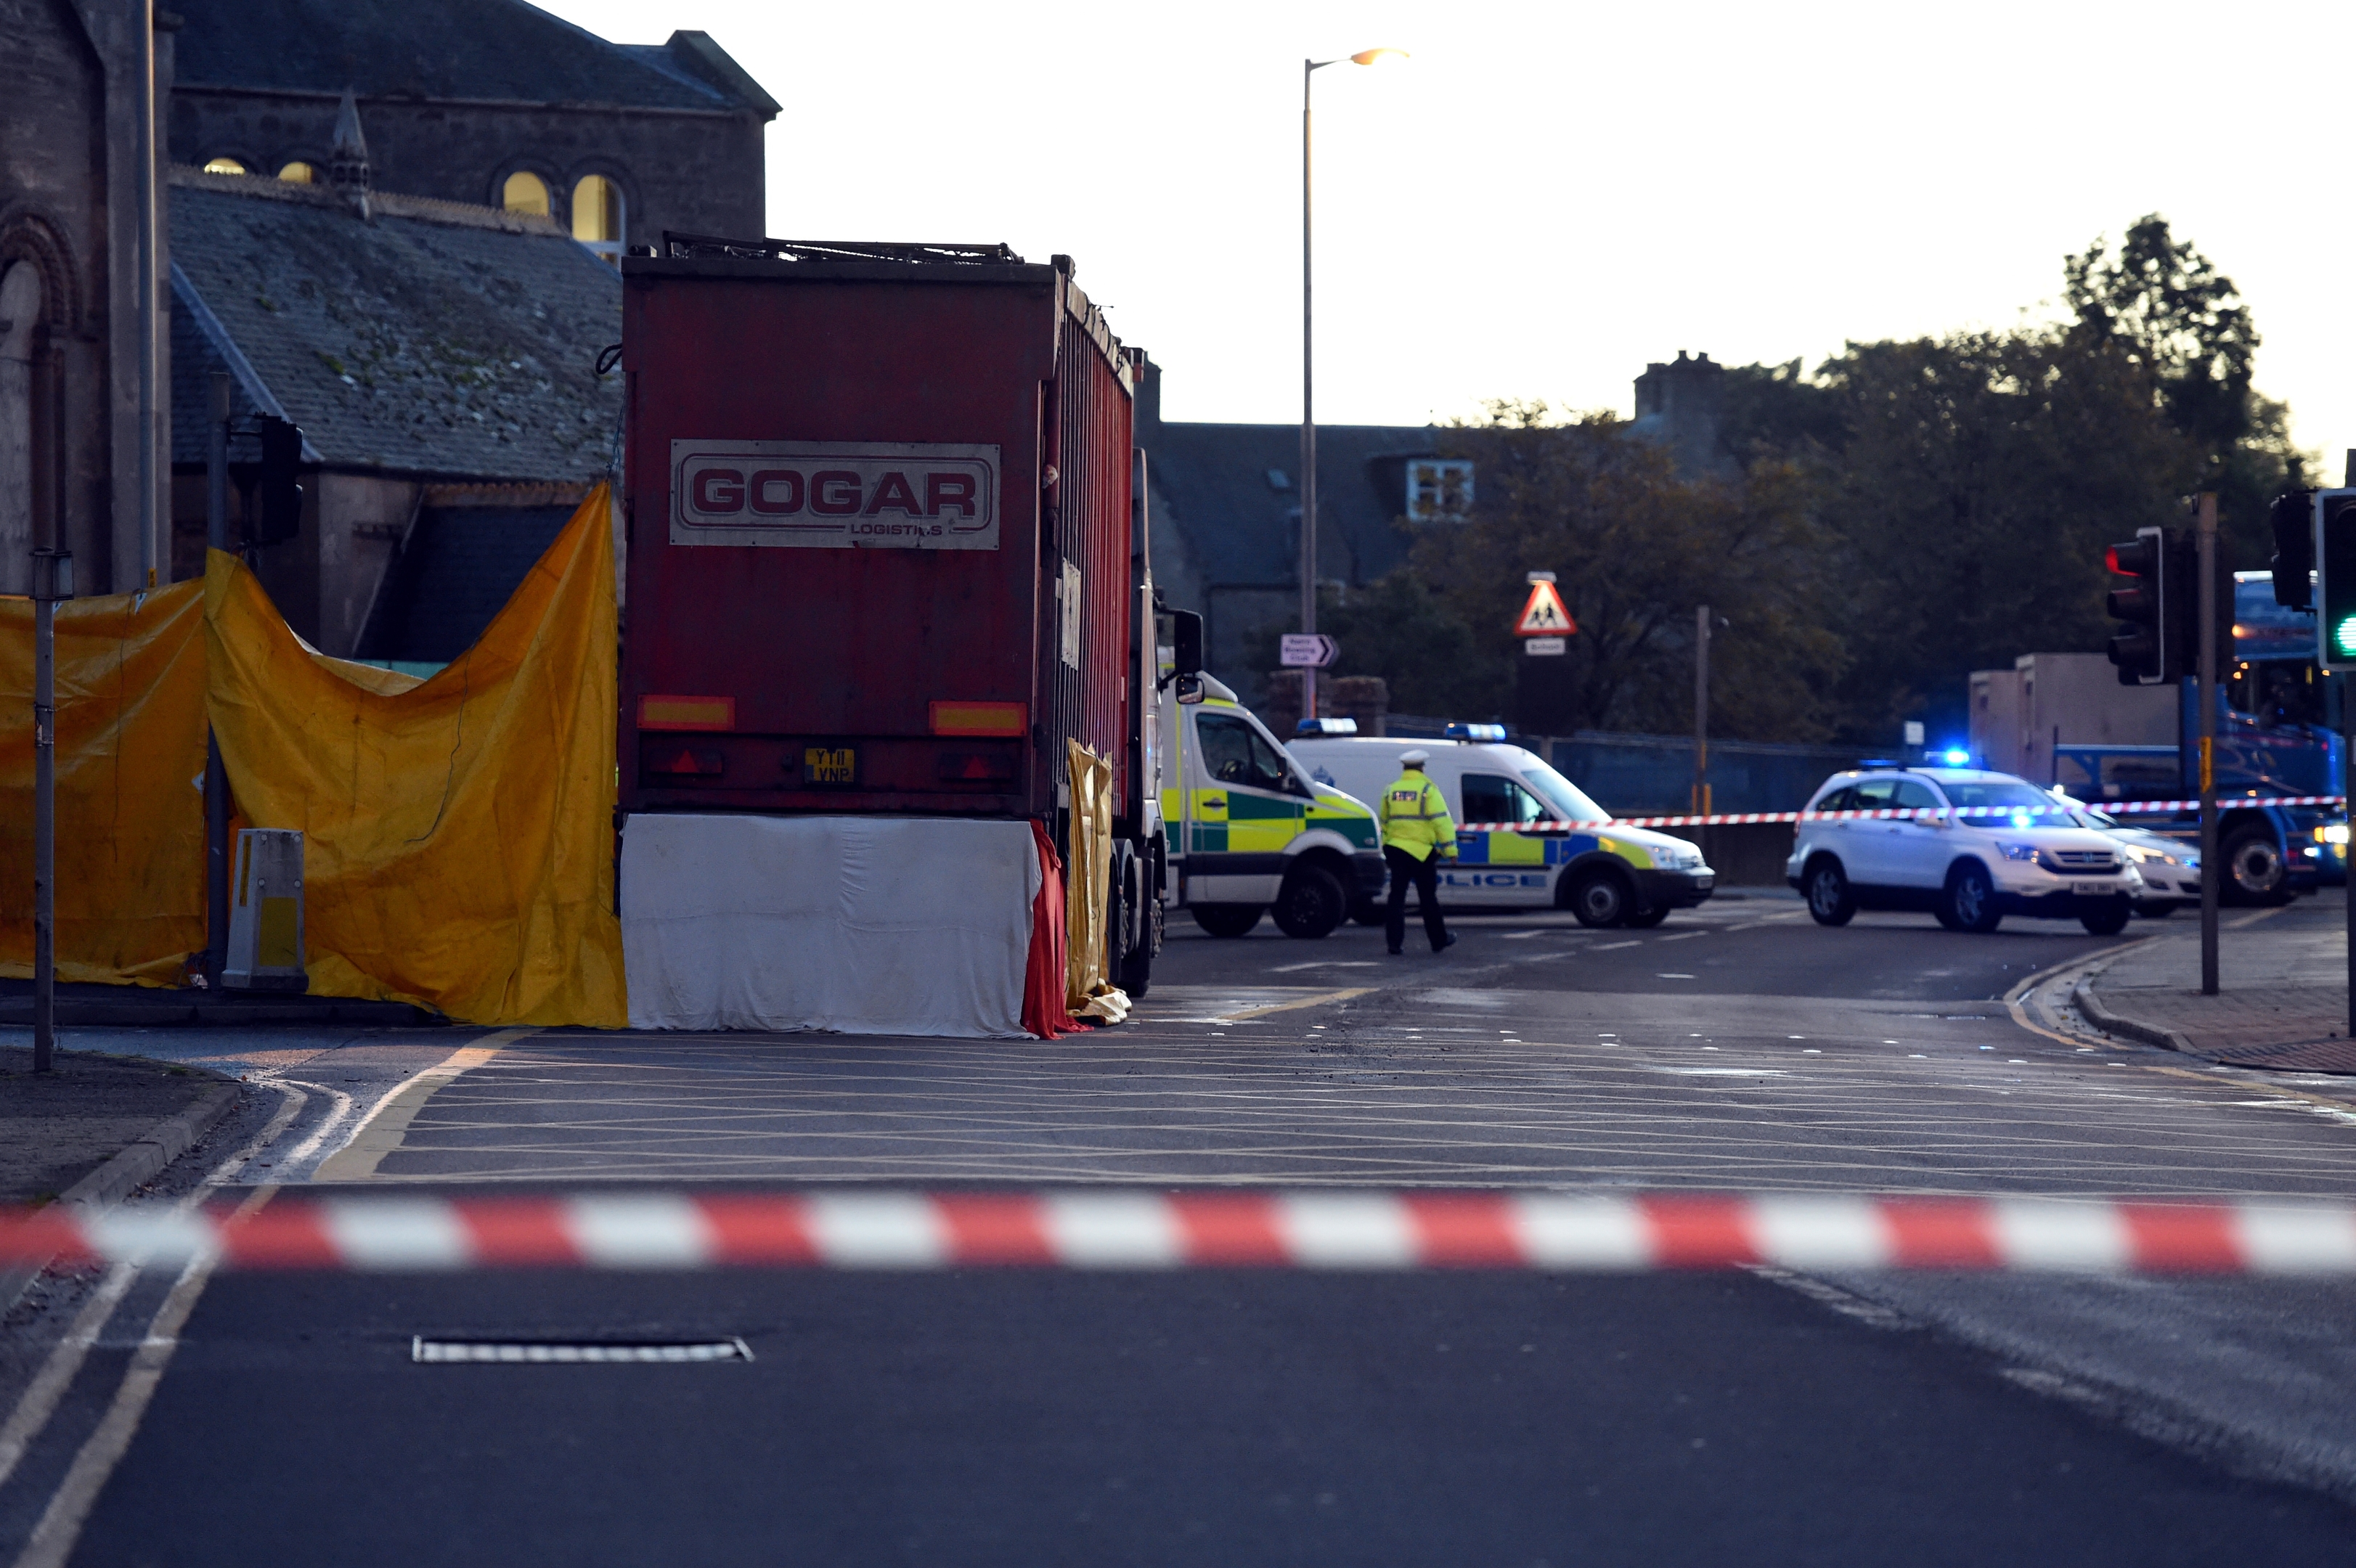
[1248, 832]
[1543, 844]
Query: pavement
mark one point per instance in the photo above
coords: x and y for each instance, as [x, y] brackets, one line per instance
[2282, 1001]
[58, 1127]
[1234, 1416]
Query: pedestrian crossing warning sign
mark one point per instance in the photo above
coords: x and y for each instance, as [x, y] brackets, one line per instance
[1544, 615]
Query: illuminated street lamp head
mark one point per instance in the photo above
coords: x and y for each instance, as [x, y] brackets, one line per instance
[1377, 57]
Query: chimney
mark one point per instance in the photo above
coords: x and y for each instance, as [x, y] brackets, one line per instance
[347, 160]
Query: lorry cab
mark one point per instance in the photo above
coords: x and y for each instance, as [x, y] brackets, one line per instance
[1526, 837]
[1249, 831]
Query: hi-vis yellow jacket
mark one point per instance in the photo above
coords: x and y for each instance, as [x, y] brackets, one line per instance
[1415, 815]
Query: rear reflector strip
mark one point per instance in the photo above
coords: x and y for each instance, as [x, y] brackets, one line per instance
[687, 713]
[981, 718]
[703, 759]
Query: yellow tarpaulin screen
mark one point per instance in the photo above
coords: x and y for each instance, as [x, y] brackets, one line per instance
[129, 758]
[458, 831]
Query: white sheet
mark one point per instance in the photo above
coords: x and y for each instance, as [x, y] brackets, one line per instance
[857, 925]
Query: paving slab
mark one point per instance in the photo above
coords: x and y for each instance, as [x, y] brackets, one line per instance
[58, 1127]
[2282, 1001]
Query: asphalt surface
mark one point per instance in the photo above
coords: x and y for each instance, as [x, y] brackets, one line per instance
[1234, 1417]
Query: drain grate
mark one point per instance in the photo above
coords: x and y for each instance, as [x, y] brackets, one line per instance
[520, 1352]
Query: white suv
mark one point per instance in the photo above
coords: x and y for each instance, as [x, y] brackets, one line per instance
[1981, 847]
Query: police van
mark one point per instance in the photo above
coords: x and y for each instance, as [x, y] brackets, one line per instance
[1248, 831]
[1606, 875]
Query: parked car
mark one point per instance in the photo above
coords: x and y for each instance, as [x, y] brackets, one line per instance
[1974, 847]
[2168, 869]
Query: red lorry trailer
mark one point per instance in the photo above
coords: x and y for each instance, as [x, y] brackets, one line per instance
[881, 563]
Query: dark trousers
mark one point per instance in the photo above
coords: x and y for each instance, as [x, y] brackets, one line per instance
[1425, 875]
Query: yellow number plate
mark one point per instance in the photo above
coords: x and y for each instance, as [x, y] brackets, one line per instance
[829, 764]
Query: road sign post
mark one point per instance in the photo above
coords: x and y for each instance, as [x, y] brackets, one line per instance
[1309, 650]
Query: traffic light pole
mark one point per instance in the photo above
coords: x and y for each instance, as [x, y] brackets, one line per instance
[2207, 538]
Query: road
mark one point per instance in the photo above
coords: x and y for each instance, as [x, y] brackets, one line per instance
[1252, 1418]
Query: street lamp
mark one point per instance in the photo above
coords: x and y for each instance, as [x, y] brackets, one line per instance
[1309, 68]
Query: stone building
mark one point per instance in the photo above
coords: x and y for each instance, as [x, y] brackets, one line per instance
[78, 444]
[442, 362]
[474, 105]
[487, 103]
[1682, 405]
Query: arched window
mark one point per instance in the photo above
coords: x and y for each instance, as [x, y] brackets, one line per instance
[223, 166]
[597, 216]
[299, 173]
[525, 194]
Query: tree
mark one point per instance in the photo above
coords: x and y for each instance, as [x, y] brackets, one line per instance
[2185, 327]
[1636, 550]
[1396, 628]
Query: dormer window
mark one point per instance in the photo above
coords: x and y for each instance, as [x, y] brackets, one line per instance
[1439, 490]
[525, 194]
[223, 166]
[597, 216]
[299, 173]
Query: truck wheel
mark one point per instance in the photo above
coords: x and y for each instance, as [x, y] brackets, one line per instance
[1599, 897]
[2253, 866]
[1227, 920]
[1310, 904]
[1830, 902]
[2112, 920]
[1136, 970]
[1971, 898]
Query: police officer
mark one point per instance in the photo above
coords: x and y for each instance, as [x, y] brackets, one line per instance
[1418, 834]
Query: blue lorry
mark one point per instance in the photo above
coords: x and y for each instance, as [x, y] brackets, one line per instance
[2278, 733]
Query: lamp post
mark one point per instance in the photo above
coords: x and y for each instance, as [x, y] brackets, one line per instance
[1309, 69]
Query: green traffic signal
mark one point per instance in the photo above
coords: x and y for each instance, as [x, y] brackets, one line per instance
[2335, 584]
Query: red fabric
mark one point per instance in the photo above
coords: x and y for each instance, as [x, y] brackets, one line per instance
[1044, 1013]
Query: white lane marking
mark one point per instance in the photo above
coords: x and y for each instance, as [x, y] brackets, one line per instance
[54, 1538]
[1610, 946]
[38, 1403]
[1327, 964]
[1682, 937]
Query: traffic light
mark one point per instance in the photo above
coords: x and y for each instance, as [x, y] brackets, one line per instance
[2334, 578]
[2142, 650]
[279, 514]
[2292, 518]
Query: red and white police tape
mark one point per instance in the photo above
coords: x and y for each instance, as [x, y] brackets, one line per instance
[1121, 1228]
[2108, 807]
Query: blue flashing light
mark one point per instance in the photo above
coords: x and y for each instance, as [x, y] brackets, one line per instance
[1326, 727]
[1955, 757]
[1475, 731]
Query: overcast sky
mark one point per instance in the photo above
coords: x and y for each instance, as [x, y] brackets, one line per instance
[1547, 196]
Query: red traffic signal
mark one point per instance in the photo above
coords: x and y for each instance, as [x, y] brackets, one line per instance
[2141, 649]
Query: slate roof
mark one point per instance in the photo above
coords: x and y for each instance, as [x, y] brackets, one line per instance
[433, 340]
[1212, 484]
[477, 50]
